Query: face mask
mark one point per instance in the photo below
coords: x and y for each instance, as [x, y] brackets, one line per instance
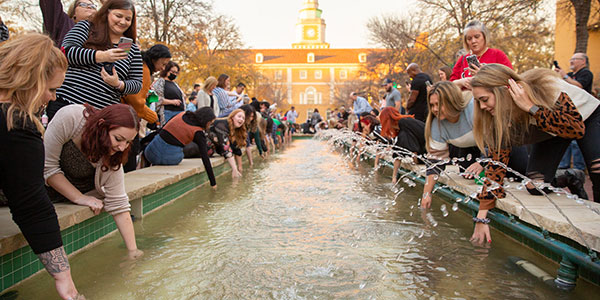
[172, 77]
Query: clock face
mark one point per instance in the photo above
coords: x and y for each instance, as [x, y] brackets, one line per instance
[310, 32]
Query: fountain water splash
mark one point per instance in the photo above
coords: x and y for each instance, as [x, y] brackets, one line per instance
[362, 148]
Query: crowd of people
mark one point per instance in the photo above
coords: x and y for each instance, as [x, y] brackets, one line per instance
[482, 108]
[108, 114]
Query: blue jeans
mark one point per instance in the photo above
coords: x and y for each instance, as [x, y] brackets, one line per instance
[170, 114]
[574, 152]
[159, 152]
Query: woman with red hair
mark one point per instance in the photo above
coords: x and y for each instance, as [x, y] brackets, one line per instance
[85, 150]
[406, 133]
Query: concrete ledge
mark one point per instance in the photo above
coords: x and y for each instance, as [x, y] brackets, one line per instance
[138, 183]
[548, 216]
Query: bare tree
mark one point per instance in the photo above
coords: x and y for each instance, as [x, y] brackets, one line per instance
[162, 20]
[272, 90]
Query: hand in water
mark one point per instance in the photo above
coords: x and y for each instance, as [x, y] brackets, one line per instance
[235, 174]
[426, 200]
[135, 254]
[481, 235]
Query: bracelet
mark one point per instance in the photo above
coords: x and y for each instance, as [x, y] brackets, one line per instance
[478, 220]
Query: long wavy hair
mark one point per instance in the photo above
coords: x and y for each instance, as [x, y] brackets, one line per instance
[95, 139]
[389, 118]
[450, 98]
[237, 135]
[99, 39]
[28, 62]
[509, 123]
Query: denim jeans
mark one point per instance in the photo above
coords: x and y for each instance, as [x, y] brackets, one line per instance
[572, 152]
[170, 114]
[159, 152]
[546, 155]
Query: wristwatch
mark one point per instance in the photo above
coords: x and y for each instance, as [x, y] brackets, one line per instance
[534, 108]
[566, 77]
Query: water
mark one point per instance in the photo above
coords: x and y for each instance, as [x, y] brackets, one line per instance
[306, 225]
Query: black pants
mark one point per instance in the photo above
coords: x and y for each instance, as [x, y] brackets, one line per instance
[546, 155]
[136, 147]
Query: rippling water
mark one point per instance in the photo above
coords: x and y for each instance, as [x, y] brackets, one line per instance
[305, 225]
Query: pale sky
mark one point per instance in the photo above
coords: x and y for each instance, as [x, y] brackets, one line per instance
[272, 23]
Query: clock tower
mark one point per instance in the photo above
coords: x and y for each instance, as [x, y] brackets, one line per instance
[310, 29]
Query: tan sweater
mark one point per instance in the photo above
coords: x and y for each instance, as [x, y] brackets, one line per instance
[68, 125]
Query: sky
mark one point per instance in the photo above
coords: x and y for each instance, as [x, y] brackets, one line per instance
[268, 24]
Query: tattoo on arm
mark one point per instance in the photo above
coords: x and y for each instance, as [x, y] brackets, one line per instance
[55, 261]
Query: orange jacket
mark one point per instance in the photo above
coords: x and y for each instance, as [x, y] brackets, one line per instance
[138, 101]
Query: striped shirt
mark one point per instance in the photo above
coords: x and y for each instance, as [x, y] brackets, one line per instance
[83, 83]
[226, 103]
[3, 32]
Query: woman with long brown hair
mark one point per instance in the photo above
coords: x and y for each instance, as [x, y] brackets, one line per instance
[85, 150]
[100, 72]
[538, 108]
[32, 71]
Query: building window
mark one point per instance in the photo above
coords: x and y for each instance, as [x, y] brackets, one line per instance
[343, 74]
[318, 74]
[362, 58]
[311, 96]
[362, 75]
[259, 58]
[303, 74]
[278, 74]
[310, 57]
[319, 98]
[301, 100]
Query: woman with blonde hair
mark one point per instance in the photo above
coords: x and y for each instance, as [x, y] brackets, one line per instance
[536, 108]
[32, 71]
[206, 97]
[476, 40]
[449, 133]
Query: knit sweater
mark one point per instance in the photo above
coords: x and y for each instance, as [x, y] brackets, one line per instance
[68, 125]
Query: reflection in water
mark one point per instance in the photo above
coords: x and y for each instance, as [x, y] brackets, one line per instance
[305, 226]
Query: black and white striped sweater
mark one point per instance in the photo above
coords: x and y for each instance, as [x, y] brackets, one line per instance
[83, 83]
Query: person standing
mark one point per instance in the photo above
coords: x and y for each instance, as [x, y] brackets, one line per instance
[291, 117]
[57, 23]
[227, 103]
[206, 97]
[360, 104]
[95, 59]
[580, 75]
[194, 94]
[417, 101]
[476, 39]
[393, 98]
[170, 95]
[36, 69]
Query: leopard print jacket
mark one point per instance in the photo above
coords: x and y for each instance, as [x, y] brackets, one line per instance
[564, 121]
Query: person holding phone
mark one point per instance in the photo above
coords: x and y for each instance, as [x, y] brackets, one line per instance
[91, 45]
[476, 41]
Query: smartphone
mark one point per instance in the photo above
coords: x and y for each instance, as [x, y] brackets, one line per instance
[556, 64]
[125, 44]
[108, 67]
[472, 60]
